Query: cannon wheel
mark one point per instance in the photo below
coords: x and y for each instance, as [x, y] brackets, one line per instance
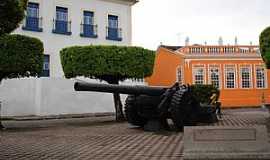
[181, 109]
[131, 111]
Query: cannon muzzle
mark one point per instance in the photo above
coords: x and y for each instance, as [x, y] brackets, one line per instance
[122, 89]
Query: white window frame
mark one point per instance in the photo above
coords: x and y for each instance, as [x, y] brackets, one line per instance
[265, 77]
[235, 75]
[181, 80]
[194, 68]
[250, 76]
[219, 75]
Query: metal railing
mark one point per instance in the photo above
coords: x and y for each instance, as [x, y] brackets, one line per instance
[114, 33]
[32, 24]
[61, 27]
[88, 30]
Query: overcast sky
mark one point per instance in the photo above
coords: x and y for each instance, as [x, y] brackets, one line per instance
[171, 21]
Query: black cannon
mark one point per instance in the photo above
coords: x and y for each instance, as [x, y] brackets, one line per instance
[146, 106]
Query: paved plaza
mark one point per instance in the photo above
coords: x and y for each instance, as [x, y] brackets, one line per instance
[94, 138]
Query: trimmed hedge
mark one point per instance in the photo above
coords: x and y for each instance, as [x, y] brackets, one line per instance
[20, 56]
[202, 93]
[12, 13]
[109, 63]
[265, 46]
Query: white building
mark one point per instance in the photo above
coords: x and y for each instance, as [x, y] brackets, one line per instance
[59, 24]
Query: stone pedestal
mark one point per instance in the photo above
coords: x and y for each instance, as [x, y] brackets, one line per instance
[211, 142]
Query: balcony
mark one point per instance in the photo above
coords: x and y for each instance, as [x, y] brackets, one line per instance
[32, 24]
[88, 30]
[114, 34]
[61, 27]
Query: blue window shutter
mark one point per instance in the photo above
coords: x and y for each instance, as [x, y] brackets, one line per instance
[32, 18]
[113, 21]
[61, 23]
[113, 27]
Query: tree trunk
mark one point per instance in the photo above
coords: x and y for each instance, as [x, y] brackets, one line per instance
[119, 115]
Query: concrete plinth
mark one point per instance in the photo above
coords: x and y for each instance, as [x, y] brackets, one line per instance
[210, 142]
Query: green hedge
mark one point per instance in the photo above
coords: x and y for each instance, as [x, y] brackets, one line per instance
[12, 13]
[105, 62]
[203, 92]
[20, 56]
[265, 46]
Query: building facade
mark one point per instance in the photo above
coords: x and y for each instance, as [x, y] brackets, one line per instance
[59, 24]
[237, 70]
[62, 23]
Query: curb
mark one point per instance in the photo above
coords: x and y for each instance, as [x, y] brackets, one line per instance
[62, 116]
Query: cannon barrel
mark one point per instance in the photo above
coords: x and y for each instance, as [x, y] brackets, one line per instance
[122, 89]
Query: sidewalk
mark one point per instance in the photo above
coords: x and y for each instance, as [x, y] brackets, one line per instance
[94, 138]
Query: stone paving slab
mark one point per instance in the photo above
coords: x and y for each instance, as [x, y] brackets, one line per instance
[100, 138]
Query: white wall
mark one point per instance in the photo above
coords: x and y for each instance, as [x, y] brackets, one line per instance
[52, 96]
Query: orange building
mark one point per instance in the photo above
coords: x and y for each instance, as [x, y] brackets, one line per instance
[238, 71]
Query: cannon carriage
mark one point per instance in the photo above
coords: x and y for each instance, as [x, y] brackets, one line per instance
[145, 105]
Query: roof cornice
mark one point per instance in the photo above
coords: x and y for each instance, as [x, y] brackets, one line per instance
[126, 2]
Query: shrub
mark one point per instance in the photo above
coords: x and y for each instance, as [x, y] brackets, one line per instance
[20, 56]
[202, 93]
[109, 63]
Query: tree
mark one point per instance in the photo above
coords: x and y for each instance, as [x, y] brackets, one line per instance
[12, 13]
[20, 56]
[109, 63]
[265, 46]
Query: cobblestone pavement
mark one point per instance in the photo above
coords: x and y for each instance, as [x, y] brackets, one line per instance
[100, 138]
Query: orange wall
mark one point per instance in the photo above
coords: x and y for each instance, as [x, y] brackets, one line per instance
[164, 74]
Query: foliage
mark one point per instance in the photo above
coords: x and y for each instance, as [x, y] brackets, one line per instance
[265, 46]
[20, 56]
[203, 92]
[12, 13]
[109, 63]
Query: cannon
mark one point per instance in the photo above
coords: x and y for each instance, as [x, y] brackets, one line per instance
[146, 106]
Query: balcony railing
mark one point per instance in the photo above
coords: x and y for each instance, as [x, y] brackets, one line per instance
[32, 24]
[88, 30]
[61, 27]
[114, 34]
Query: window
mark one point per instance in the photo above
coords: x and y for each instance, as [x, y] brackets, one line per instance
[245, 77]
[260, 77]
[230, 77]
[88, 29]
[46, 66]
[32, 21]
[61, 23]
[198, 76]
[113, 32]
[33, 10]
[214, 76]
[113, 21]
[61, 14]
[88, 17]
[179, 75]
